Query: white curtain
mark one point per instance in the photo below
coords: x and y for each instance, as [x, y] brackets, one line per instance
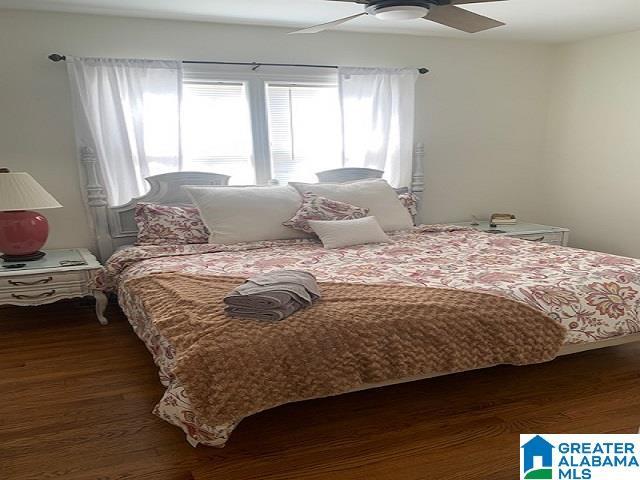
[378, 109]
[128, 112]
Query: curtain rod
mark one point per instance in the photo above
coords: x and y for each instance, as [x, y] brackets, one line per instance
[56, 57]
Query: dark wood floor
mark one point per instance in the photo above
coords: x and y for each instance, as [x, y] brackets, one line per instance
[76, 400]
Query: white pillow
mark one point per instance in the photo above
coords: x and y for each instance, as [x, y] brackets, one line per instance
[376, 195]
[246, 214]
[345, 233]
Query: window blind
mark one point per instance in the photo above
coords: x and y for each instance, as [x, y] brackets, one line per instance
[304, 130]
[216, 126]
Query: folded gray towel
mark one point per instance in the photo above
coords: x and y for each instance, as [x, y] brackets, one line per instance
[252, 295]
[285, 278]
[247, 296]
[268, 314]
[274, 295]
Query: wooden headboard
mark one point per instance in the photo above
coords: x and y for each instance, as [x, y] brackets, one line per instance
[115, 226]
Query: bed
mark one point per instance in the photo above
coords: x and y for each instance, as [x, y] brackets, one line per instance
[594, 296]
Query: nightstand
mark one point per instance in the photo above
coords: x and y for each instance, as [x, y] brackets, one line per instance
[59, 274]
[526, 231]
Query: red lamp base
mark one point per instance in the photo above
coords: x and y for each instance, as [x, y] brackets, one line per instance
[22, 235]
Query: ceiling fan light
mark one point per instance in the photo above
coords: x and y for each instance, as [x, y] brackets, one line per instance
[401, 12]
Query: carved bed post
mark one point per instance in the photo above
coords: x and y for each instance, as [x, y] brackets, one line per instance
[97, 201]
[417, 182]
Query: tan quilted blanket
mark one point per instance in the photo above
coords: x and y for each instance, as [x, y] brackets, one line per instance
[355, 335]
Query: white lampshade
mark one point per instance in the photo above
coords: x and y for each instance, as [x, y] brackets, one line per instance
[19, 191]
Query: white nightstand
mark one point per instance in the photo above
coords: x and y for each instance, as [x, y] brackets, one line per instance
[526, 231]
[59, 274]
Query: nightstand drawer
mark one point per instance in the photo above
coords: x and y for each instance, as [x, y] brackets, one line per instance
[41, 280]
[39, 295]
[554, 238]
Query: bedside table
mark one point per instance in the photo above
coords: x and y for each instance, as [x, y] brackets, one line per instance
[59, 274]
[526, 231]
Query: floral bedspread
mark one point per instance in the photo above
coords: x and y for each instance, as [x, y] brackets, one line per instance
[595, 296]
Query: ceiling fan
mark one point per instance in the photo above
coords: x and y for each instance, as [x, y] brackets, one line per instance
[444, 12]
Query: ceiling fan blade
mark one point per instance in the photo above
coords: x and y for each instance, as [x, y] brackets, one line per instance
[461, 19]
[461, 2]
[364, 2]
[326, 26]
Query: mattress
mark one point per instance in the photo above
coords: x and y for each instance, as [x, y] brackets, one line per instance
[594, 295]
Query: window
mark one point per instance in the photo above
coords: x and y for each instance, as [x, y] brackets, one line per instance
[304, 130]
[216, 130]
[258, 129]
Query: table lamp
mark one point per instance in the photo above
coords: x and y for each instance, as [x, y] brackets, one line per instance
[22, 231]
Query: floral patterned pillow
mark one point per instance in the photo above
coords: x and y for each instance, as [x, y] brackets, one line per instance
[316, 207]
[169, 225]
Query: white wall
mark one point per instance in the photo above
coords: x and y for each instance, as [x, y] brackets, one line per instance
[481, 111]
[592, 163]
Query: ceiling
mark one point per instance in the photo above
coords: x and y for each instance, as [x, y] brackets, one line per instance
[536, 20]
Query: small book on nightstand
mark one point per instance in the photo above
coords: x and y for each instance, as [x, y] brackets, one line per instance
[503, 219]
